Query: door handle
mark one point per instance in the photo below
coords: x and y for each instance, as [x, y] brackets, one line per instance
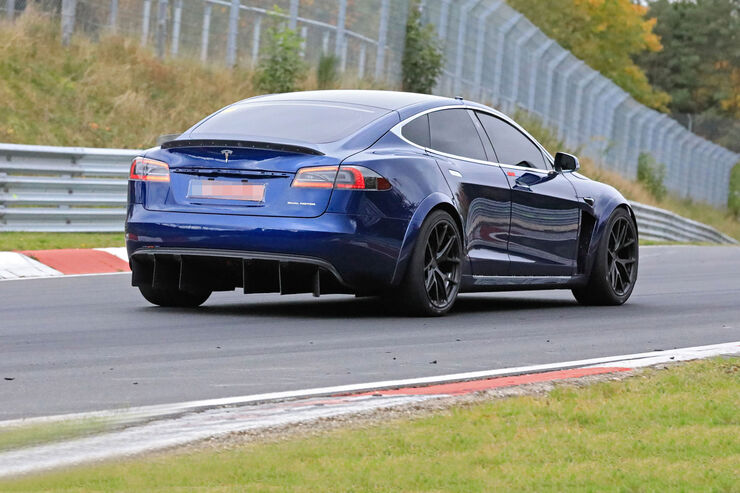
[522, 185]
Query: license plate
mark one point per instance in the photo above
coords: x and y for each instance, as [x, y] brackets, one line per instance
[211, 189]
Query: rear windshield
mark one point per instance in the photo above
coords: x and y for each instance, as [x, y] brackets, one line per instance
[315, 123]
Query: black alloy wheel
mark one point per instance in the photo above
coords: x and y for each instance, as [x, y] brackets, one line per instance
[614, 270]
[622, 256]
[434, 272]
[442, 265]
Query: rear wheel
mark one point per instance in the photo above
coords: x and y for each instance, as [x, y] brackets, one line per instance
[433, 275]
[614, 272]
[174, 297]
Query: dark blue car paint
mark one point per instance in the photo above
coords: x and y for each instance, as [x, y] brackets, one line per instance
[368, 236]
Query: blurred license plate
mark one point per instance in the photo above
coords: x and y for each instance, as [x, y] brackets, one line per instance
[211, 189]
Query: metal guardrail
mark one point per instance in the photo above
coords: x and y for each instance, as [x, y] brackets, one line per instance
[76, 189]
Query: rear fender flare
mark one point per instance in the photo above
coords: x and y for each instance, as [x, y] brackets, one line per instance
[431, 202]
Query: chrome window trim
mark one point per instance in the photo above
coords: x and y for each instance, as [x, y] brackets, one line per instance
[397, 131]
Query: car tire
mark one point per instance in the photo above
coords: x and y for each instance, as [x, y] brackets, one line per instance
[614, 272]
[432, 280]
[173, 297]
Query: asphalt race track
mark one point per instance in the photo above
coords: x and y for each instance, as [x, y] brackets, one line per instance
[91, 343]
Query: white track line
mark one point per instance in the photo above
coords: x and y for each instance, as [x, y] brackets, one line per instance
[14, 266]
[119, 252]
[66, 276]
[163, 410]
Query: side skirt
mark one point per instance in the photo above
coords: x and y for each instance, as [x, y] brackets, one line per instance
[472, 284]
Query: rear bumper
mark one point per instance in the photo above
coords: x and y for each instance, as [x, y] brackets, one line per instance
[360, 251]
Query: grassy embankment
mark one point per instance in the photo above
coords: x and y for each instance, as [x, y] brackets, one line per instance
[665, 430]
[113, 93]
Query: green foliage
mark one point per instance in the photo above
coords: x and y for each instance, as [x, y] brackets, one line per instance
[733, 201]
[606, 34]
[327, 76]
[700, 50]
[422, 54]
[699, 65]
[651, 174]
[281, 67]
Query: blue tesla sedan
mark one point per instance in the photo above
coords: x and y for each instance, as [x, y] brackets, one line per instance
[414, 197]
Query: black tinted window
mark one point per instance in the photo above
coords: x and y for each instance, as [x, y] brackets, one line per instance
[315, 123]
[511, 146]
[417, 131]
[453, 132]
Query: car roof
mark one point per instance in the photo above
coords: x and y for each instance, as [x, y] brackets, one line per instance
[388, 100]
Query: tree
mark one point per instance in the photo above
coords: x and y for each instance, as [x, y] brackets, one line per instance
[606, 34]
[699, 65]
[280, 67]
[422, 54]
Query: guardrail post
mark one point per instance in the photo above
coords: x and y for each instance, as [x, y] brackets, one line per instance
[669, 143]
[145, 16]
[325, 43]
[161, 27]
[10, 9]
[444, 15]
[361, 61]
[564, 114]
[232, 33]
[480, 44]
[176, 24]
[683, 162]
[574, 134]
[517, 62]
[293, 14]
[660, 138]
[68, 20]
[339, 43]
[382, 39]
[113, 15]
[460, 56]
[610, 132]
[590, 124]
[500, 47]
[627, 132]
[206, 32]
[536, 60]
[551, 69]
[256, 35]
[304, 35]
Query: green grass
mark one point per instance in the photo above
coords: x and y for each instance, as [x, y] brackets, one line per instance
[14, 437]
[665, 430]
[46, 241]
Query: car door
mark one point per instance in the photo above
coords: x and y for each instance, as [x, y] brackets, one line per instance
[545, 213]
[480, 187]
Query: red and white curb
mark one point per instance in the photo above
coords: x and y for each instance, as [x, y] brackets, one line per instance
[165, 426]
[34, 264]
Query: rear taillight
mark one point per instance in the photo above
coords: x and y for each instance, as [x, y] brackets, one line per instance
[144, 169]
[341, 177]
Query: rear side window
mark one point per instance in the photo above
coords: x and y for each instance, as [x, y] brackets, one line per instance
[452, 132]
[311, 122]
[511, 146]
[417, 131]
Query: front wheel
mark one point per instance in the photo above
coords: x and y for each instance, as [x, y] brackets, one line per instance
[173, 297]
[614, 272]
[433, 275]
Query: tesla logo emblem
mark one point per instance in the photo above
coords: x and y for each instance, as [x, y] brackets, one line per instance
[227, 153]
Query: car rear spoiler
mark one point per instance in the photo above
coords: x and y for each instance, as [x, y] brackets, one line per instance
[242, 144]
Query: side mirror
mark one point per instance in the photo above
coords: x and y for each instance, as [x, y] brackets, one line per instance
[566, 162]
